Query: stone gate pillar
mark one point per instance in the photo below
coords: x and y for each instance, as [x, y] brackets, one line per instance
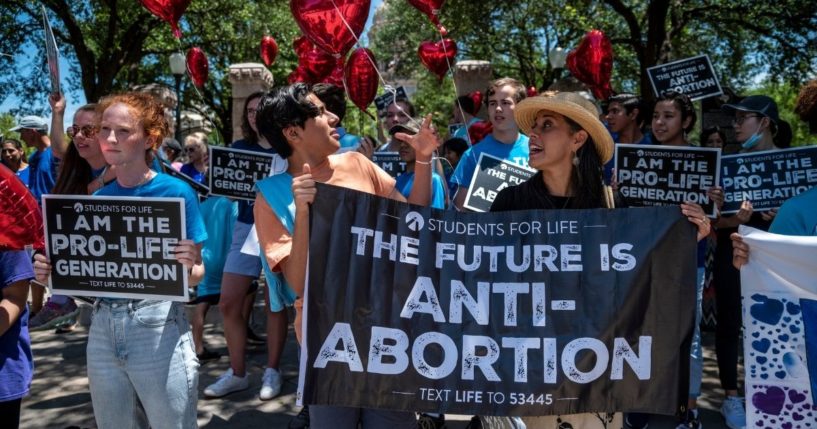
[473, 75]
[245, 79]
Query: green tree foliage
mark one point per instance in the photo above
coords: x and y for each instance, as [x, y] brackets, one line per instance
[785, 94]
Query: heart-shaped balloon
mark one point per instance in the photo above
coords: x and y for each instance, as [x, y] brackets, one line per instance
[298, 75]
[476, 97]
[21, 221]
[317, 64]
[361, 77]
[592, 63]
[479, 130]
[197, 66]
[327, 22]
[438, 57]
[168, 10]
[269, 50]
[431, 8]
[532, 91]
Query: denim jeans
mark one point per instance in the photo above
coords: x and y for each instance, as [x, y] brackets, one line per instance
[321, 416]
[696, 359]
[142, 365]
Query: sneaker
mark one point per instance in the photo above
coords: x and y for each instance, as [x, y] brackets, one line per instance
[430, 422]
[52, 314]
[301, 421]
[636, 420]
[227, 383]
[270, 384]
[734, 413]
[67, 326]
[689, 420]
[208, 355]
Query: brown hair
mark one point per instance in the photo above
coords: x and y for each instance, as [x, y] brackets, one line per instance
[806, 105]
[519, 90]
[149, 113]
[75, 174]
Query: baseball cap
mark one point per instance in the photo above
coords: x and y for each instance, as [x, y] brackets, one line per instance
[172, 143]
[757, 104]
[31, 122]
[410, 127]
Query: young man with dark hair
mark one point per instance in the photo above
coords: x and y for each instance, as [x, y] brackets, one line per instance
[504, 142]
[400, 112]
[302, 130]
[626, 114]
[334, 97]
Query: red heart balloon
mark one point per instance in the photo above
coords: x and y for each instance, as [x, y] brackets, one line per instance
[327, 22]
[197, 66]
[21, 221]
[592, 63]
[532, 92]
[269, 50]
[336, 76]
[479, 130]
[476, 97]
[302, 45]
[431, 8]
[317, 64]
[168, 10]
[361, 77]
[438, 57]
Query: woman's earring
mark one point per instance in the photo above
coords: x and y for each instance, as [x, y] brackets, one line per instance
[575, 159]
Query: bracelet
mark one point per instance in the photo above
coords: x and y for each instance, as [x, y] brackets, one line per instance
[423, 163]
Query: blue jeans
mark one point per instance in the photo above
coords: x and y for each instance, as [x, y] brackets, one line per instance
[322, 416]
[142, 365]
[696, 359]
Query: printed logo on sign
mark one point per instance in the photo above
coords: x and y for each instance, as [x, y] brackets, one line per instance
[503, 166]
[414, 221]
[640, 152]
[740, 160]
[78, 207]
[230, 154]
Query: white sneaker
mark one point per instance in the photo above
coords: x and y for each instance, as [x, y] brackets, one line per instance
[227, 383]
[734, 412]
[270, 384]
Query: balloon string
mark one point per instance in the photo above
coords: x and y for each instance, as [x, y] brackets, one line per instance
[206, 114]
[386, 87]
[456, 93]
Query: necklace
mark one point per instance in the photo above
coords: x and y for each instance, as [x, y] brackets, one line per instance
[145, 178]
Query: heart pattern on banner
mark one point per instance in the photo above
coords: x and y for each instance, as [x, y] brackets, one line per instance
[21, 221]
[437, 57]
[168, 10]
[320, 21]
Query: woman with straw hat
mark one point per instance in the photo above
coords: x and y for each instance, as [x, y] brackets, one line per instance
[569, 146]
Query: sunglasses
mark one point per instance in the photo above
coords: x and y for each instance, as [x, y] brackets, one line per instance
[89, 131]
[190, 149]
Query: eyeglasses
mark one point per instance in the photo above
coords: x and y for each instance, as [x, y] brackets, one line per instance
[89, 131]
[190, 149]
[741, 119]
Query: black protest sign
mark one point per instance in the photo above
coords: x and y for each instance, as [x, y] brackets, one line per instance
[767, 178]
[694, 77]
[512, 313]
[115, 247]
[663, 175]
[491, 176]
[198, 187]
[384, 100]
[390, 162]
[233, 172]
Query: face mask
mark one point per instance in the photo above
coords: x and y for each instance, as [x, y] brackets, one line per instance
[753, 140]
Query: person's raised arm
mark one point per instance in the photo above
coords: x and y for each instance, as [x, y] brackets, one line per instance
[425, 142]
[59, 144]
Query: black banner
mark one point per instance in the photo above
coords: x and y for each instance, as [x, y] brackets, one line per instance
[662, 175]
[512, 313]
[491, 176]
[233, 172]
[390, 162]
[694, 77]
[768, 178]
[115, 247]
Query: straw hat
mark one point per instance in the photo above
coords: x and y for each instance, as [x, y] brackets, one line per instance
[570, 105]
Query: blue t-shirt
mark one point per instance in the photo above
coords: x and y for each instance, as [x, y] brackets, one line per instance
[190, 171]
[518, 153]
[16, 360]
[164, 185]
[23, 174]
[220, 214]
[797, 216]
[405, 181]
[43, 174]
[347, 141]
[462, 132]
[245, 214]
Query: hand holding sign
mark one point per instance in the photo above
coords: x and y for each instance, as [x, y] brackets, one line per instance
[42, 268]
[187, 253]
[57, 102]
[695, 214]
[425, 142]
[303, 189]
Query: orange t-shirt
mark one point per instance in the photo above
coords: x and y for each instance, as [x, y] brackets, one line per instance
[350, 170]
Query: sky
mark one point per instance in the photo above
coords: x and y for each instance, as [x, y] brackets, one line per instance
[23, 59]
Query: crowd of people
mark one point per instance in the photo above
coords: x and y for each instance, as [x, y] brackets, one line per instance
[120, 146]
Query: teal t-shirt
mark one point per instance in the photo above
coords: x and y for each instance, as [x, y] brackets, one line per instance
[220, 214]
[797, 216]
[518, 153]
[405, 181]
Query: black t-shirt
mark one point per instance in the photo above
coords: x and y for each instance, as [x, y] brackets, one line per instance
[533, 195]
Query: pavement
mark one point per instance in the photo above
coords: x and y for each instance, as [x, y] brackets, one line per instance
[60, 398]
